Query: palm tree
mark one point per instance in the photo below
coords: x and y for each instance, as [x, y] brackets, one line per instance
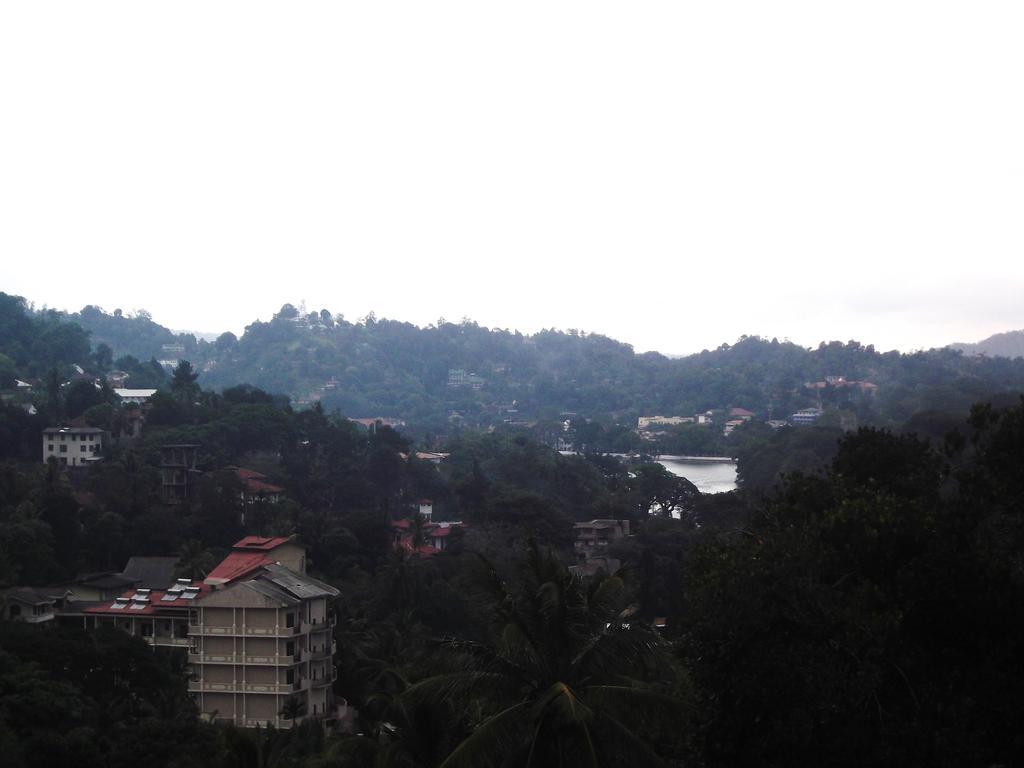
[396, 733]
[419, 535]
[565, 680]
[195, 560]
[293, 709]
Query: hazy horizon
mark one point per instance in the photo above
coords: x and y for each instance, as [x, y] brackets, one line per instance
[210, 334]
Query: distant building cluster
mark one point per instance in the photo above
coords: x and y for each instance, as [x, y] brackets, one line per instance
[418, 534]
[840, 382]
[459, 378]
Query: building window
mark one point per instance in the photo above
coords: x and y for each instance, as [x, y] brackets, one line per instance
[50, 447]
[83, 449]
[289, 620]
[63, 449]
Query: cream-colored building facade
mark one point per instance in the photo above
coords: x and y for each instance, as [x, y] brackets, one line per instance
[260, 642]
[258, 631]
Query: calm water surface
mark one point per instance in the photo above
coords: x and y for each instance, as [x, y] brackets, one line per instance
[709, 477]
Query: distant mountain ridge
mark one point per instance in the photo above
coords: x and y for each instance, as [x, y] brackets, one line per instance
[1008, 344]
[448, 375]
[441, 378]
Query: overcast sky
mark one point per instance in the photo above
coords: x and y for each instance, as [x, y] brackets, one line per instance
[670, 174]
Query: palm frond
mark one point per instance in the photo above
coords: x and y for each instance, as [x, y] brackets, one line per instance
[560, 705]
[490, 741]
[616, 648]
[636, 702]
[460, 686]
[613, 733]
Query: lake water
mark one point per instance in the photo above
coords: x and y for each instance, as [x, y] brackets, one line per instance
[708, 476]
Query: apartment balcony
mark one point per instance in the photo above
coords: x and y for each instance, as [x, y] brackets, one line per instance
[277, 722]
[248, 658]
[165, 641]
[205, 686]
[327, 679]
[324, 653]
[246, 631]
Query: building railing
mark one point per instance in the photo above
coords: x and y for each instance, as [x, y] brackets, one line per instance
[247, 658]
[205, 686]
[328, 678]
[247, 631]
[321, 653]
[277, 722]
[177, 642]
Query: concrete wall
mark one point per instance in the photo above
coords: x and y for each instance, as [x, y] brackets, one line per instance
[263, 618]
[262, 707]
[218, 617]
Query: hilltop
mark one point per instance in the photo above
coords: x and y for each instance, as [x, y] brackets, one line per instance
[462, 374]
[1008, 344]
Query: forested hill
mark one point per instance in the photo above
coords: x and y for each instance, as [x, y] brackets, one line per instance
[386, 368]
[1009, 344]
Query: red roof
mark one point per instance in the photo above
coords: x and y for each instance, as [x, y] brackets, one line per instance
[153, 606]
[237, 565]
[424, 549]
[261, 543]
[249, 474]
[403, 523]
[258, 486]
[441, 532]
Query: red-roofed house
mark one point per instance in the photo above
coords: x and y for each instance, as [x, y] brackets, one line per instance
[441, 535]
[253, 552]
[256, 488]
[435, 536]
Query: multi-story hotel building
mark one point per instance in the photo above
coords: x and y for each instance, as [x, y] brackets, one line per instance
[258, 632]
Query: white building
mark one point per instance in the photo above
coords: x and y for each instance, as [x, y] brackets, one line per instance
[73, 446]
[806, 416]
[645, 422]
[136, 396]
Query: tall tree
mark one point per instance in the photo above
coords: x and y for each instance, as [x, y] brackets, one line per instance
[183, 382]
[564, 680]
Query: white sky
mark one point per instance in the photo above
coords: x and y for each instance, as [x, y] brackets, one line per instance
[671, 174]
